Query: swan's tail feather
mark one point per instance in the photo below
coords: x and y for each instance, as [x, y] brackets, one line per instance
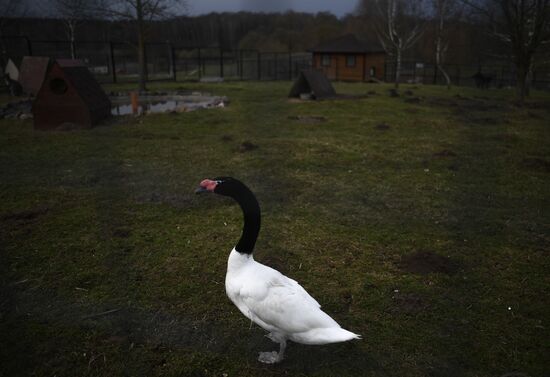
[325, 335]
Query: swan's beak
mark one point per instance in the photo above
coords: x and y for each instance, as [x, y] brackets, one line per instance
[201, 190]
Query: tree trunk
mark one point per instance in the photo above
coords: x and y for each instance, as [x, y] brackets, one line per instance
[397, 68]
[72, 31]
[142, 62]
[522, 77]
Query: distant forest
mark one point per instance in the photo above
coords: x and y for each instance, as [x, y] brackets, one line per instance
[265, 32]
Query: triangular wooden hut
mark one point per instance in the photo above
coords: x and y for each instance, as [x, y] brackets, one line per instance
[313, 82]
[69, 95]
[32, 71]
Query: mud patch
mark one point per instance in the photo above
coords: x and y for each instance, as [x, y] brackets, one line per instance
[247, 146]
[427, 262]
[121, 233]
[507, 138]
[308, 119]
[536, 164]
[26, 215]
[226, 138]
[485, 120]
[394, 93]
[407, 303]
[382, 127]
[445, 153]
[413, 100]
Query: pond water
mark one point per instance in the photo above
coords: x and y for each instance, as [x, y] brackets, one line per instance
[121, 105]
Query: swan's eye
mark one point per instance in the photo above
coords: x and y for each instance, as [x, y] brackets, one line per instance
[219, 181]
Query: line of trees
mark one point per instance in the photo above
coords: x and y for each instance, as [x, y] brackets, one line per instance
[519, 30]
[438, 31]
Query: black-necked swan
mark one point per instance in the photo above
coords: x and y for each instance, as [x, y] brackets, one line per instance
[275, 302]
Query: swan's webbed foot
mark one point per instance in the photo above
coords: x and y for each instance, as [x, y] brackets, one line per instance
[274, 357]
[269, 357]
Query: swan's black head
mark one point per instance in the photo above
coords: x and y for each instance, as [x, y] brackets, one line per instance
[235, 189]
[227, 186]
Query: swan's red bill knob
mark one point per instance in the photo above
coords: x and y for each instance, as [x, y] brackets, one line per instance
[207, 185]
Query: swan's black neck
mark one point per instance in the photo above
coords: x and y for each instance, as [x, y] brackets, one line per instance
[252, 219]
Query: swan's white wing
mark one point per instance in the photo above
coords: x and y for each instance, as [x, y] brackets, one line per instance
[281, 302]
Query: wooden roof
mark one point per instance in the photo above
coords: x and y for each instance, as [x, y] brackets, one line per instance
[348, 43]
[315, 82]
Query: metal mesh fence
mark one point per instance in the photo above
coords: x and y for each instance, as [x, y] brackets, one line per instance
[118, 62]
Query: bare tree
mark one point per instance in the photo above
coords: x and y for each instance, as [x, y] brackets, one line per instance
[73, 13]
[399, 28]
[524, 26]
[9, 9]
[444, 12]
[141, 12]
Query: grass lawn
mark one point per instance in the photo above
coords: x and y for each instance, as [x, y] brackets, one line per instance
[421, 222]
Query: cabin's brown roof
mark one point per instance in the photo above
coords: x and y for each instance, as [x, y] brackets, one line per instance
[348, 43]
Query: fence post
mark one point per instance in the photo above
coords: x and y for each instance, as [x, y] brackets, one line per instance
[221, 62]
[289, 66]
[276, 68]
[199, 62]
[241, 64]
[259, 65]
[173, 61]
[145, 70]
[29, 45]
[113, 63]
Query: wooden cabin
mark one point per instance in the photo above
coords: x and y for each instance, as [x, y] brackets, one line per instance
[349, 59]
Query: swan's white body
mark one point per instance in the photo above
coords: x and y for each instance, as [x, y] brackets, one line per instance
[279, 305]
[276, 303]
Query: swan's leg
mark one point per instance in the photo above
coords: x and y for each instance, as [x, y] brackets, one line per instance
[273, 357]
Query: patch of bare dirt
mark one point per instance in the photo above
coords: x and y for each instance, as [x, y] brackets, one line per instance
[537, 164]
[308, 119]
[394, 93]
[26, 215]
[427, 262]
[382, 127]
[247, 146]
[226, 138]
[413, 100]
[121, 233]
[445, 153]
[407, 303]
[507, 138]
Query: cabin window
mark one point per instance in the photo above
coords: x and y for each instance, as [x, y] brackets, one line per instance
[325, 60]
[350, 61]
[372, 72]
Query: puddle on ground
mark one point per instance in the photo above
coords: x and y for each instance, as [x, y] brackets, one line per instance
[164, 104]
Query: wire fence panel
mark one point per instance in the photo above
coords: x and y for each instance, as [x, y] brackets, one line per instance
[118, 62]
[496, 75]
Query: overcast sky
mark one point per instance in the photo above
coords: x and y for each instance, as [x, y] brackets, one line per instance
[338, 7]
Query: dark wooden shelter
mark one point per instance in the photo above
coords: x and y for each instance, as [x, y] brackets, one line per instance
[32, 72]
[313, 82]
[69, 95]
[349, 59]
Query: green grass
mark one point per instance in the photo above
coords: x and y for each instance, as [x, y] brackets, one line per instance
[106, 219]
